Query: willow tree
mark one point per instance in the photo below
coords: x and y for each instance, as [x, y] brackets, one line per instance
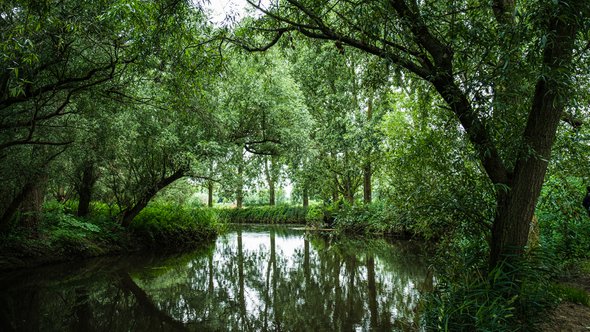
[502, 67]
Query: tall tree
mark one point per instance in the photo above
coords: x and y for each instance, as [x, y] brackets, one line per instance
[444, 44]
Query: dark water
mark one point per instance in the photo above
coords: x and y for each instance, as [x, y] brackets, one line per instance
[251, 279]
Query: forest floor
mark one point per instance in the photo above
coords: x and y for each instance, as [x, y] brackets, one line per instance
[568, 316]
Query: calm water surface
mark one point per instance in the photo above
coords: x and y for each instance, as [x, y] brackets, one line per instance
[251, 279]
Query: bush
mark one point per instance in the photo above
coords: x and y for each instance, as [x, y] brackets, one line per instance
[375, 218]
[465, 299]
[73, 236]
[280, 214]
[562, 219]
[170, 225]
[314, 216]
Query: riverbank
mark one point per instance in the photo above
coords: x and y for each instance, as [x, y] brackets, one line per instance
[62, 237]
[213, 289]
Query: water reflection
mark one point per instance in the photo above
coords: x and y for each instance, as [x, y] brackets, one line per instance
[256, 279]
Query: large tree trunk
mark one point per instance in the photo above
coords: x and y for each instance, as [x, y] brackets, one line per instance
[85, 189]
[32, 204]
[517, 206]
[131, 213]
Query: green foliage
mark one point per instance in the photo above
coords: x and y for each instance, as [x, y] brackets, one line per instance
[508, 298]
[572, 294]
[73, 236]
[175, 226]
[366, 219]
[314, 216]
[280, 214]
[563, 222]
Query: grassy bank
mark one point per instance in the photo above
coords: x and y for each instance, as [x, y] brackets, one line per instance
[280, 214]
[61, 236]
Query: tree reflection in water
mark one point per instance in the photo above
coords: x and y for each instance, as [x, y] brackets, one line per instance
[257, 279]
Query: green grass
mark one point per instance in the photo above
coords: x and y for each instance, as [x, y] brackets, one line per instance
[280, 214]
[585, 266]
[572, 294]
[63, 236]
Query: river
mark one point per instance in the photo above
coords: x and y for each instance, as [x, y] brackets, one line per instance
[256, 278]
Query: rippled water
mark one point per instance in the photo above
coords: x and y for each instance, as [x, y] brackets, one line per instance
[251, 279]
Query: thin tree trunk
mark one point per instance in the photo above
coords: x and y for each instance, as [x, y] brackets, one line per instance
[348, 191]
[305, 196]
[367, 190]
[210, 194]
[270, 178]
[240, 188]
[367, 170]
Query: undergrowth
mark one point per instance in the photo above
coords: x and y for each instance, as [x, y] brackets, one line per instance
[280, 214]
[175, 225]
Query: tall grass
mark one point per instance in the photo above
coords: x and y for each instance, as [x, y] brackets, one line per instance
[280, 214]
[508, 298]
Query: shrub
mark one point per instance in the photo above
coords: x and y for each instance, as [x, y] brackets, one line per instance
[314, 216]
[465, 299]
[280, 214]
[70, 235]
[375, 218]
[170, 225]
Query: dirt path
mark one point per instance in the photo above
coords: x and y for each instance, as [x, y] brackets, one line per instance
[568, 317]
[571, 317]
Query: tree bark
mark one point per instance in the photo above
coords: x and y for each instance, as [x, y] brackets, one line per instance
[367, 192]
[32, 204]
[85, 189]
[210, 193]
[516, 207]
[305, 196]
[271, 179]
[367, 170]
[11, 209]
[131, 213]
[240, 188]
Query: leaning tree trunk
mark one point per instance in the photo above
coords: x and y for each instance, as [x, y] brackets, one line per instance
[15, 203]
[516, 206]
[131, 213]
